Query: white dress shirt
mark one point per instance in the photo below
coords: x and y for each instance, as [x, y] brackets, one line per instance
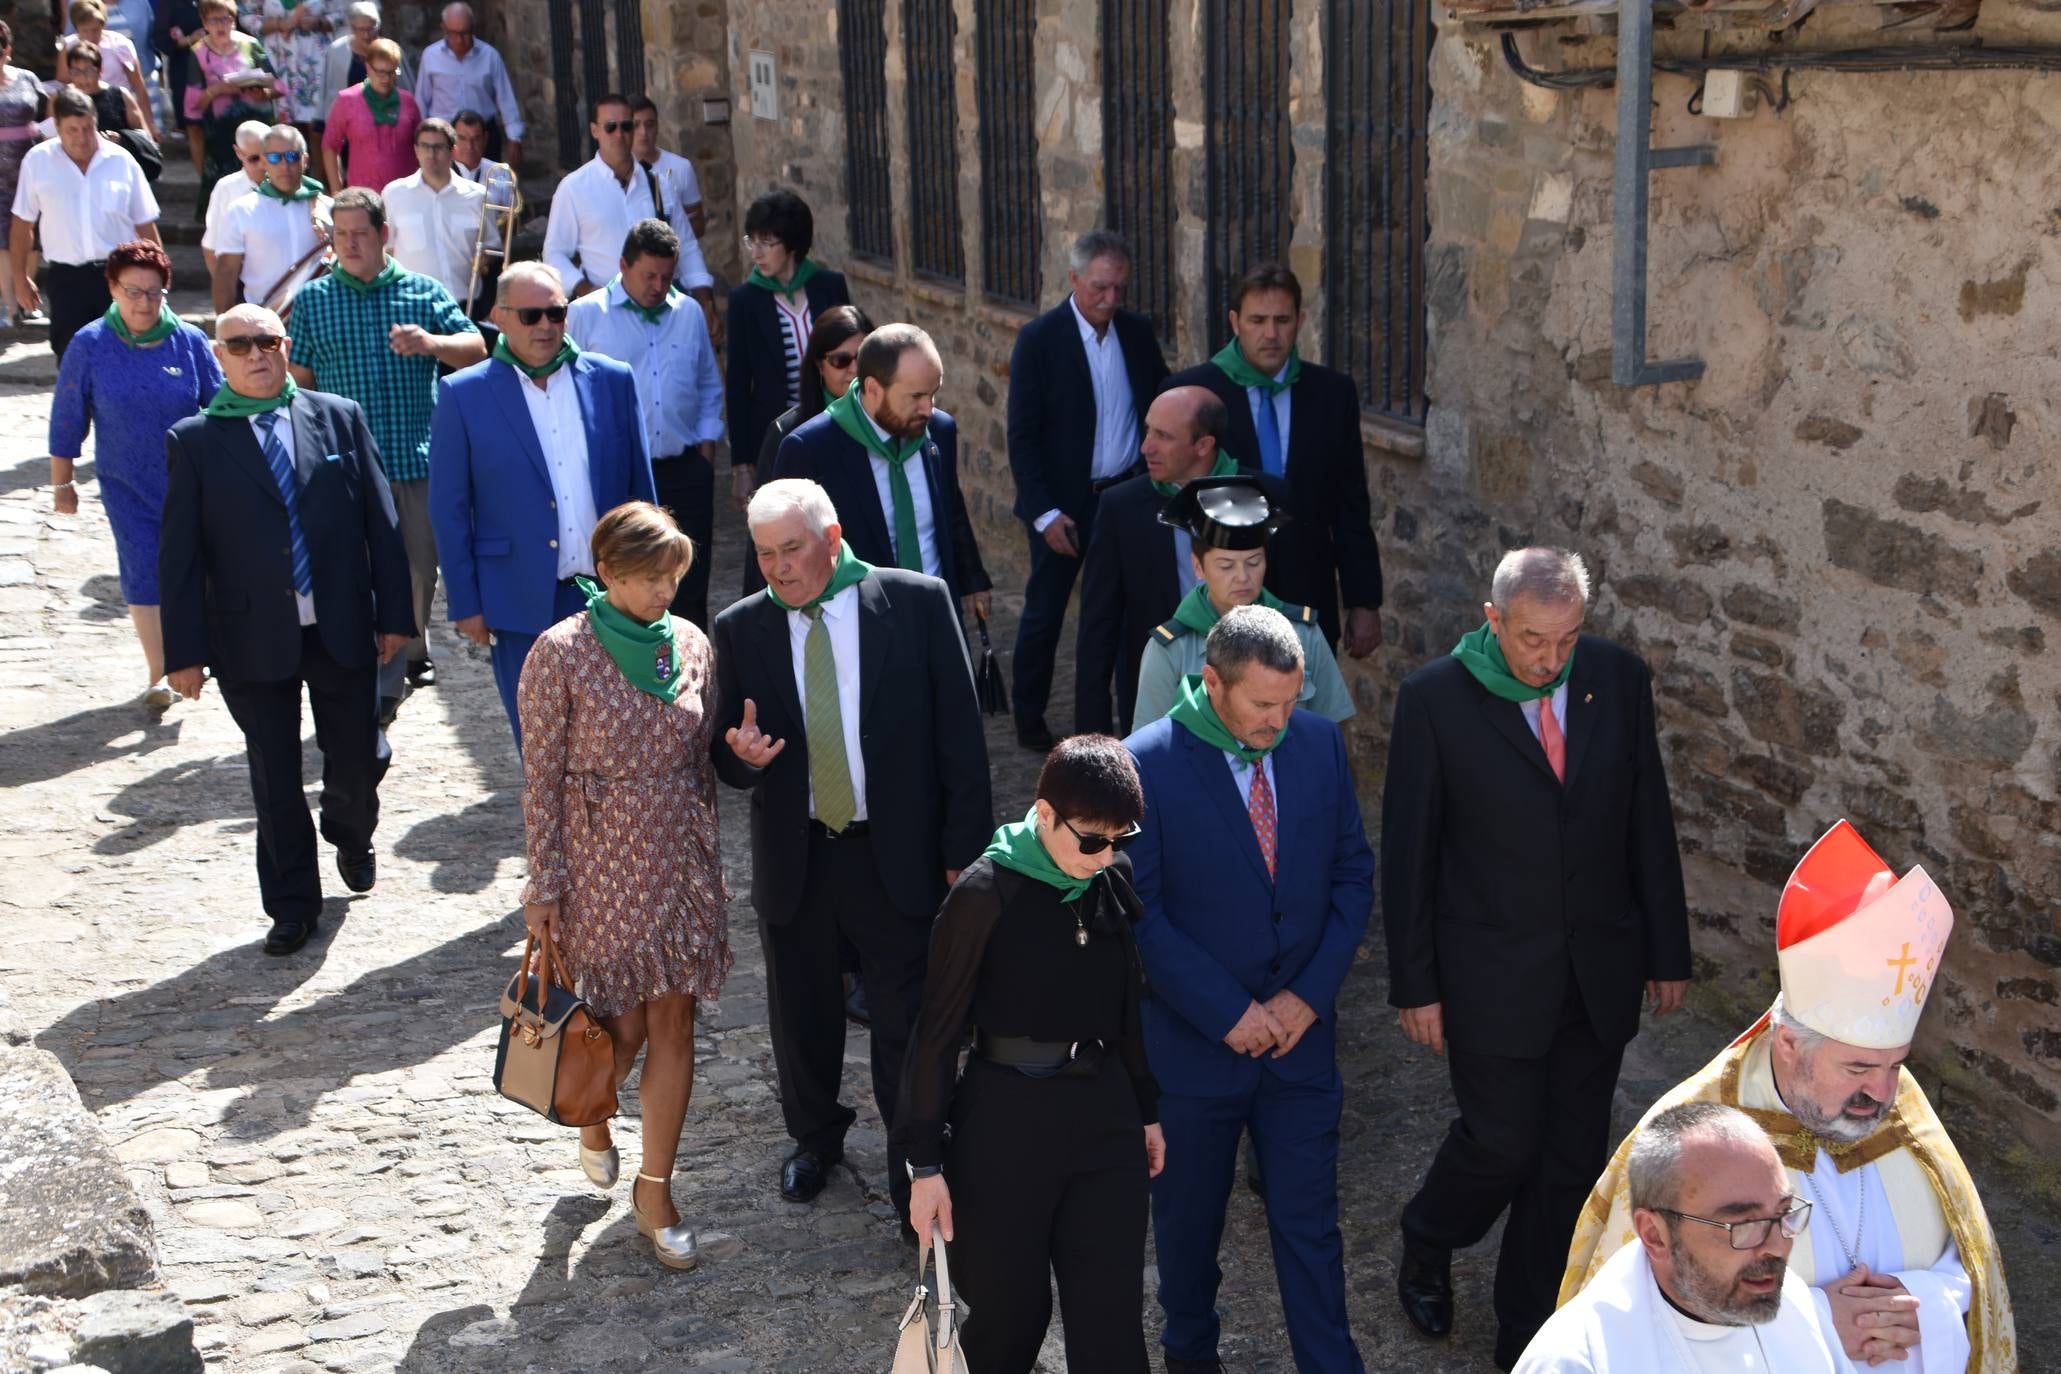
[591, 215]
[86, 215]
[841, 620]
[1255, 397]
[1531, 713]
[1116, 414]
[919, 497]
[679, 389]
[272, 235]
[679, 187]
[435, 231]
[225, 193]
[446, 83]
[562, 434]
[284, 433]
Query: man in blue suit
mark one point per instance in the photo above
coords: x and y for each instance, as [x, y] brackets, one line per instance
[1256, 878]
[527, 451]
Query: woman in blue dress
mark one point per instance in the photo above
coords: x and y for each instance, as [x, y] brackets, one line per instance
[130, 376]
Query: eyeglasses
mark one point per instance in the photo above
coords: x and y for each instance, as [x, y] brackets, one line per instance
[1751, 1234]
[765, 241]
[141, 294]
[530, 314]
[609, 126]
[381, 71]
[288, 158]
[841, 360]
[434, 146]
[1095, 844]
[241, 344]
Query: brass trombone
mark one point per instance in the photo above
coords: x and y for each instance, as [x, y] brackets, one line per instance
[498, 182]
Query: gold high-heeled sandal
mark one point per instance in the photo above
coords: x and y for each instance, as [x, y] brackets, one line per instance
[675, 1246]
[602, 1167]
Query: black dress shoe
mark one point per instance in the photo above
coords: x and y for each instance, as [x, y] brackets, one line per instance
[804, 1175]
[389, 710]
[1424, 1282]
[1174, 1366]
[288, 936]
[359, 871]
[423, 674]
[1033, 734]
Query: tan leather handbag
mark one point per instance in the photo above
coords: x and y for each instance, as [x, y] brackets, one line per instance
[924, 1348]
[556, 1058]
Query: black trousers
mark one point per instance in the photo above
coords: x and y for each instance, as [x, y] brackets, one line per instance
[345, 703]
[1048, 1182]
[687, 487]
[843, 897]
[1532, 1136]
[1044, 616]
[77, 295]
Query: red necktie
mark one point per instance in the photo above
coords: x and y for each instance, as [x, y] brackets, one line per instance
[1260, 807]
[1549, 735]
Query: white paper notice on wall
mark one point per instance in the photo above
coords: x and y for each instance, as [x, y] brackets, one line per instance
[765, 96]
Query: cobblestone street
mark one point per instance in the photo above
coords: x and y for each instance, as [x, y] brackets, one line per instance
[333, 1181]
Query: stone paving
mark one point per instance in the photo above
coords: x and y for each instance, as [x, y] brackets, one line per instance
[333, 1182]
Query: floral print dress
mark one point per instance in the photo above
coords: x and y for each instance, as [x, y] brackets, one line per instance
[297, 55]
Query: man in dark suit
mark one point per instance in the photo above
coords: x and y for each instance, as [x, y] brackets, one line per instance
[1138, 569]
[889, 460]
[1079, 379]
[1532, 892]
[1250, 926]
[1293, 418]
[846, 707]
[282, 565]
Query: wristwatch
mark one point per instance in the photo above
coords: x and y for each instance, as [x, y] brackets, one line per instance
[917, 1171]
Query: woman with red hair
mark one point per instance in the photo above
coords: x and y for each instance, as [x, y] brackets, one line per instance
[131, 375]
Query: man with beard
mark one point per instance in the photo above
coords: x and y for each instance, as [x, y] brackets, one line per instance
[1900, 1256]
[1708, 1286]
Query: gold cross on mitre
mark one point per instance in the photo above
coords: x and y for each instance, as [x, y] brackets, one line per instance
[1900, 965]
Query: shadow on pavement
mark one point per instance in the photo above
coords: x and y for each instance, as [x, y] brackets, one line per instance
[38, 753]
[453, 843]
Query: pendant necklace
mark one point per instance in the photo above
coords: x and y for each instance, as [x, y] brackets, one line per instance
[1853, 1255]
[1080, 924]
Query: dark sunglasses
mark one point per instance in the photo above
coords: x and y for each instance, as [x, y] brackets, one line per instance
[276, 158]
[1095, 844]
[609, 126]
[841, 360]
[251, 159]
[242, 344]
[530, 314]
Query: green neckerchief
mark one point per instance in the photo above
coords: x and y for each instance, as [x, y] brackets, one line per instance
[234, 405]
[1226, 466]
[385, 277]
[1231, 360]
[567, 351]
[850, 569]
[166, 323]
[308, 189]
[809, 268]
[1199, 613]
[1482, 656]
[386, 109]
[1192, 709]
[1017, 846]
[646, 655]
[852, 418]
[653, 314]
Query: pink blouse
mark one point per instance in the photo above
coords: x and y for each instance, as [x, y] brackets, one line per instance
[379, 153]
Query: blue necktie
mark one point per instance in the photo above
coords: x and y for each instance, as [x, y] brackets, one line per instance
[289, 491]
[1269, 435]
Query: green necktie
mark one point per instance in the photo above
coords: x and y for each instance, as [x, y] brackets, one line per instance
[830, 773]
[908, 544]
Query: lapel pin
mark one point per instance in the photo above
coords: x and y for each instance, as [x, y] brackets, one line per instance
[1588, 697]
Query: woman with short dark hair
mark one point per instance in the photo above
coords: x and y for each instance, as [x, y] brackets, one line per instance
[1054, 1128]
[827, 368]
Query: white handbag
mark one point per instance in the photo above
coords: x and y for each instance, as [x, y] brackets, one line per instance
[924, 1348]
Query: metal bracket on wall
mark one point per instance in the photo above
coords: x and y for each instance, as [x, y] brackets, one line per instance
[1636, 159]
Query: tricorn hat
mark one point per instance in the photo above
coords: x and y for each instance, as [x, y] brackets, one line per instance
[1238, 511]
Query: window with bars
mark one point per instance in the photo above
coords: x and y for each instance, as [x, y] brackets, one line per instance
[629, 47]
[1377, 56]
[1249, 161]
[868, 193]
[1010, 211]
[572, 127]
[936, 243]
[574, 93]
[1137, 150]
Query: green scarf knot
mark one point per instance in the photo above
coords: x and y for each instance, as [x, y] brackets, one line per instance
[1199, 613]
[385, 277]
[1226, 466]
[1192, 709]
[852, 418]
[653, 314]
[1230, 359]
[234, 405]
[386, 109]
[808, 268]
[1018, 847]
[850, 569]
[307, 190]
[1482, 656]
[167, 322]
[647, 656]
[567, 351]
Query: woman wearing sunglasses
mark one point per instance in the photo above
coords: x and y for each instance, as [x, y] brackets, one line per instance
[128, 377]
[1054, 1124]
[827, 369]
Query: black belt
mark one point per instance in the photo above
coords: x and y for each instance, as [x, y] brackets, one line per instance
[1040, 1058]
[1097, 488]
[851, 832]
[97, 265]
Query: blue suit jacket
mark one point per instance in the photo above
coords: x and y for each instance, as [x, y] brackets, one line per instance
[1218, 933]
[490, 495]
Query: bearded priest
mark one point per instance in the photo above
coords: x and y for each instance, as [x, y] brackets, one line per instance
[1899, 1255]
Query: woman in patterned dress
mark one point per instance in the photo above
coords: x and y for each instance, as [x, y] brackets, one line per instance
[21, 105]
[619, 806]
[296, 36]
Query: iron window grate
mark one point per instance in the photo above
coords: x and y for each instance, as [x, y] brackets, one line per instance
[936, 239]
[1137, 146]
[1009, 205]
[1249, 161]
[868, 193]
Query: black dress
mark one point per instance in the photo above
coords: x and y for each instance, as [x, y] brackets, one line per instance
[1047, 1174]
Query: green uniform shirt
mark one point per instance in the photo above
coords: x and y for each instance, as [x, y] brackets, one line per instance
[1175, 650]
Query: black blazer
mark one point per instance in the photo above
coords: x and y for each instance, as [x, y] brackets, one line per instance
[1129, 583]
[1052, 406]
[757, 364]
[1500, 887]
[225, 561]
[825, 454]
[927, 795]
[1329, 547]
